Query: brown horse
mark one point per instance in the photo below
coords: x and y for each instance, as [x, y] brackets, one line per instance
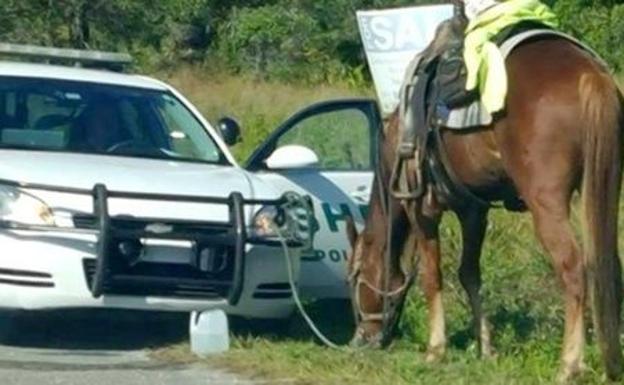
[561, 132]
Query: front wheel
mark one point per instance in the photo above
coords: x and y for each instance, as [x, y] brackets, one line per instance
[8, 325]
[261, 326]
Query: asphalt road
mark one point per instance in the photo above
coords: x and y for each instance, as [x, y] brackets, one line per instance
[97, 347]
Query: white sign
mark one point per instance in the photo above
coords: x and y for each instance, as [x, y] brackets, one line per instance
[391, 39]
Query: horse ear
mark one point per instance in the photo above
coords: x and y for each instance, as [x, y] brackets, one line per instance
[352, 233]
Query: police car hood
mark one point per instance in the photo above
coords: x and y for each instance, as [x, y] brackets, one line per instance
[126, 174]
[129, 174]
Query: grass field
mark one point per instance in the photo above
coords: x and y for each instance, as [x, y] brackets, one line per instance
[522, 296]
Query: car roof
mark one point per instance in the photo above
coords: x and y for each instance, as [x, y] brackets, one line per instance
[57, 72]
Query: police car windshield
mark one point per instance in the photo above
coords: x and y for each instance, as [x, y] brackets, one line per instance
[55, 115]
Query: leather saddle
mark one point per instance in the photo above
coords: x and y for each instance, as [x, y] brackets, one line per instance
[435, 87]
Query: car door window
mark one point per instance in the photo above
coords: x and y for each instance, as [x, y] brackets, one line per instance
[340, 139]
[186, 134]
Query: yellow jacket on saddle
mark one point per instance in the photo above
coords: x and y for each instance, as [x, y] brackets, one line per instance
[484, 62]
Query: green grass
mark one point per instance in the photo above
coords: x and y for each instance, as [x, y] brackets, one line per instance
[522, 296]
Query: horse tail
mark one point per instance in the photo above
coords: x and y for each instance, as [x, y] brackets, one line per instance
[602, 173]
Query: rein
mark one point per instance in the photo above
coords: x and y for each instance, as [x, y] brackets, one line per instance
[355, 277]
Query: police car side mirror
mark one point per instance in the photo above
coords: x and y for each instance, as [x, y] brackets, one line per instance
[292, 156]
[230, 131]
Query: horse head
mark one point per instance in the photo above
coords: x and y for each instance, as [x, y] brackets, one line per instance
[378, 283]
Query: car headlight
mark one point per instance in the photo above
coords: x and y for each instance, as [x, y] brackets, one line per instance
[294, 220]
[21, 207]
[265, 220]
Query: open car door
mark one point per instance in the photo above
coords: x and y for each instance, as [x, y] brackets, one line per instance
[326, 151]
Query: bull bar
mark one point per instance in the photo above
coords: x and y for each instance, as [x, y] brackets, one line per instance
[230, 236]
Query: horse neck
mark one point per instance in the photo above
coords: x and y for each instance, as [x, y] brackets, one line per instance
[386, 148]
[388, 143]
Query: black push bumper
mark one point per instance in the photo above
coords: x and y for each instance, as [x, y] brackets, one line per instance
[112, 274]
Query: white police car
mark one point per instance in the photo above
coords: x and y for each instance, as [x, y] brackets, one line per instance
[115, 192]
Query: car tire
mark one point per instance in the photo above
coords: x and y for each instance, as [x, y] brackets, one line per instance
[9, 321]
[279, 326]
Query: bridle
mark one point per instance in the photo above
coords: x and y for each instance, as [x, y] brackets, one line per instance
[390, 304]
[385, 293]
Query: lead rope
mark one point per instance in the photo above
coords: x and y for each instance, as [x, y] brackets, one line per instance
[384, 293]
[293, 287]
[386, 288]
[384, 198]
[295, 292]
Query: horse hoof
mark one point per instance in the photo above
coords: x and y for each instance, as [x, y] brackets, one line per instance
[434, 354]
[362, 341]
[565, 378]
[488, 353]
[570, 373]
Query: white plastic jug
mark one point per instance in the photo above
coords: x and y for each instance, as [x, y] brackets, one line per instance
[209, 332]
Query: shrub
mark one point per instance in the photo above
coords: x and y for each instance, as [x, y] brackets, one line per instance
[271, 41]
[600, 24]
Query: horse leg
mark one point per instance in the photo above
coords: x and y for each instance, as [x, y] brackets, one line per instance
[551, 217]
[431, 280]
[473, 225]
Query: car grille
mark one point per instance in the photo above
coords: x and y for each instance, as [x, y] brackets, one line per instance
[165, 287]
[83, 221]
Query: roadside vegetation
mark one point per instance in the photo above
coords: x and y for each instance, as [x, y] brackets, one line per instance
[303, 41]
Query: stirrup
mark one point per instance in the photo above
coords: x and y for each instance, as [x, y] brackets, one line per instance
[395, 188]
[406, 150]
